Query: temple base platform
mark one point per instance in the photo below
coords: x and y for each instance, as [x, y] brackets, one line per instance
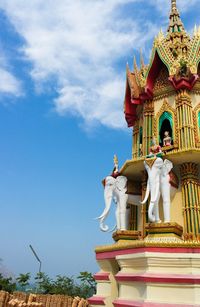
[164, 272]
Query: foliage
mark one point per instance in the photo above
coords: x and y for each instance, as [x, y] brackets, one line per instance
[7, 284]
[23, 280]
[44, 284]
[88, 283]
[66, 285]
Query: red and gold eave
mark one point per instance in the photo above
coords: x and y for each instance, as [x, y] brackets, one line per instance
[136, 95]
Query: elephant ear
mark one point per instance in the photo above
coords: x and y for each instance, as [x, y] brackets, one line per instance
[109, 180]
[167, 166]
[158, 163]
[121, 183]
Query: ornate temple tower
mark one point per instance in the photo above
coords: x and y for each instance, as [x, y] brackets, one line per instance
[164, 96]
[154, 263]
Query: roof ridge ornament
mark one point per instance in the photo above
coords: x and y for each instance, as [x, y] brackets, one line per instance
[175, 24]
[173, 5]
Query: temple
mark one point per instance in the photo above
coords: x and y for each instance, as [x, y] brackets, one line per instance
[155, 257]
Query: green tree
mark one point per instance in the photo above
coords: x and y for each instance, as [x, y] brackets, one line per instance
[23, 280]
[7, 284]
[43, 283]
[88, 284]
[64, 285]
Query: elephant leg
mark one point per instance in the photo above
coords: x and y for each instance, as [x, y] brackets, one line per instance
[156, 209]
[123, 211]
[166, 210]
[153, 212]
[156, 212]
[117, 215]
[151, 215]
[165, 189]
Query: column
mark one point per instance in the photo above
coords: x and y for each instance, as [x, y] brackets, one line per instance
[186, 135]
[135, 152]
[148, 126]
[191, 199]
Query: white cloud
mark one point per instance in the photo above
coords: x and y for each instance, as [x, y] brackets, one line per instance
[9, 84]
[79, 44]
[164, 5]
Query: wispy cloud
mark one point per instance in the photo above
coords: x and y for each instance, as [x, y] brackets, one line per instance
[9, 84]
[182, 5]
[79, 45]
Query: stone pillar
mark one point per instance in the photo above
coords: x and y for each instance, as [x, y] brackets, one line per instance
[148, 126]
[191, 199]
[186, 135]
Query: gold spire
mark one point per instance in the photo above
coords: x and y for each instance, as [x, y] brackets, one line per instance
[174, 5]
[175, 24]
[127, 67]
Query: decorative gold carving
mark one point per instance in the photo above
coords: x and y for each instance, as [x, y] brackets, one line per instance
[162, 85]
[150, 161]
[167, 148]
[164, 228]
[128, 244]
[126, 235]
[149, 108]
[186, 136]
[196, 127]
[135, 148]
[167, 108]
[191, 199]
[148, 113]
[189, 171]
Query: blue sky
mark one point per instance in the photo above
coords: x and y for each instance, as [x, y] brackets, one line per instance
[62, 67]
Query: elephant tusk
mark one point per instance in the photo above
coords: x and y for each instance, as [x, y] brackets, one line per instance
[104, 227]
[146, 195]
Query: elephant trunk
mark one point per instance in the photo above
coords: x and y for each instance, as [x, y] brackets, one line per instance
[102, 217]
[147, 194]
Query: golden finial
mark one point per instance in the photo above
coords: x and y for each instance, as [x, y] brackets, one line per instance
[127, 67]
[115, 159]
[173, 2]
[195, 30]
[141, 59]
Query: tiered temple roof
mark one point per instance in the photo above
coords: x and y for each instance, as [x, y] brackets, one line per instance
[176, 52]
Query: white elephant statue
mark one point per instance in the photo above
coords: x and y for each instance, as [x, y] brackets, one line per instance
[158, 184]
[115, 189]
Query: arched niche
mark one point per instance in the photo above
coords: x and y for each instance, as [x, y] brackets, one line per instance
[166, 120]
[166, 124]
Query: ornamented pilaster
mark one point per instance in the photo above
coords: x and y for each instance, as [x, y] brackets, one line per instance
[148, 126]
[186, 136]
[191, 199]
[136, 144]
